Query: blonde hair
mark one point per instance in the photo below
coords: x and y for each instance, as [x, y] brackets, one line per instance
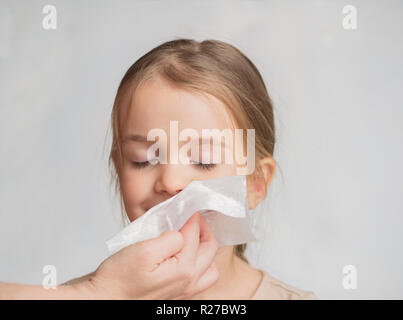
[212, 67]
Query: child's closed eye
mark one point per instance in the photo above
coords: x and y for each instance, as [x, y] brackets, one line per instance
[203, 166]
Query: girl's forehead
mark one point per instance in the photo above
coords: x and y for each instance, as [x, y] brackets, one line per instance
[156, 103]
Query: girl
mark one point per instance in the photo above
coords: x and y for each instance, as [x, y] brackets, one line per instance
[201, 85]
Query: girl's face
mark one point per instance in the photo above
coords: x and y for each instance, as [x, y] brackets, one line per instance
[154, 104]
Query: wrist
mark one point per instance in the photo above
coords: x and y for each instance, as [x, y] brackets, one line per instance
[83, 290]
[15, 291]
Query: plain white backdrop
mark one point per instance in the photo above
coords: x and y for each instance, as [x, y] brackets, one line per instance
[336, 199]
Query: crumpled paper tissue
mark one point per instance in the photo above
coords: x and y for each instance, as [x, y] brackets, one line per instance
[222, 202]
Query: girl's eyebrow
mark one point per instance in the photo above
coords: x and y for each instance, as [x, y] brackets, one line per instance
[140, 138]
[135, 137]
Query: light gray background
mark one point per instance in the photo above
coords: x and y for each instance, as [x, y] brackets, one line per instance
[337, 197]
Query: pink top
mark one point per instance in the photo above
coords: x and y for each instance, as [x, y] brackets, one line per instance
[271, 288]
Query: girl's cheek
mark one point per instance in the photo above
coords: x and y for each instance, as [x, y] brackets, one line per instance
[135, 188]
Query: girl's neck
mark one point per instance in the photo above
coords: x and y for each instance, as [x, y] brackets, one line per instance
[237, 279]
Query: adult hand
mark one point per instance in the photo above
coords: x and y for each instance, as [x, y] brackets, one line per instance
[175, 265]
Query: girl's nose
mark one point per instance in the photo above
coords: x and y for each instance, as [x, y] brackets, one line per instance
[172, 179]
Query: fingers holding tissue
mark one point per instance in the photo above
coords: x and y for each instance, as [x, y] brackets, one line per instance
[194, 263]
[175, 265]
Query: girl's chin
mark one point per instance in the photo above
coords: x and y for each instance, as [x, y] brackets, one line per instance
[133, 217]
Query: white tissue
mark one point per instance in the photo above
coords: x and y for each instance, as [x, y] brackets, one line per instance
[222, 202]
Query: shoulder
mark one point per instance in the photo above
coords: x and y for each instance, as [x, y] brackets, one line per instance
[271, 288]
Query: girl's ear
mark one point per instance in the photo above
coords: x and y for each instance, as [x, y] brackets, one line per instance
[258, 183]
